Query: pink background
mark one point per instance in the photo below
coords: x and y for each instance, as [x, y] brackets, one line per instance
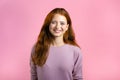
[96, 24]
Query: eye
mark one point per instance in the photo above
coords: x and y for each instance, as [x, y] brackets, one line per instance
[62, 23]
[53, 22]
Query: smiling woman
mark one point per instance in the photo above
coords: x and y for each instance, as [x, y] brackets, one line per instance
[56, 55]
[58, 25]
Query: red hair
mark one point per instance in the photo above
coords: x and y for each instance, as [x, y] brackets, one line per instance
[45, 38]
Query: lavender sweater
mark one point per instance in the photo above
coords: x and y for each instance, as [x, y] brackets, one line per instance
[63, 63]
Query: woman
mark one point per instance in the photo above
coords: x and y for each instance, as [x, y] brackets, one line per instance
[56, 55]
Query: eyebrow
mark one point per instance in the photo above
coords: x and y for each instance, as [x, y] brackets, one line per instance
[59, 21]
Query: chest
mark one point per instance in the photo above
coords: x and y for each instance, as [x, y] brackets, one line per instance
[60, 59]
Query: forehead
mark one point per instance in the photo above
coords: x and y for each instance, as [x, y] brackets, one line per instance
[59, 17]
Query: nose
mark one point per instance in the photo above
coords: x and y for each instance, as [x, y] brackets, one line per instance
[58, 25]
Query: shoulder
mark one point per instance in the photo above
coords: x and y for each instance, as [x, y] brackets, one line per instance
[76, 50]
[77, 54]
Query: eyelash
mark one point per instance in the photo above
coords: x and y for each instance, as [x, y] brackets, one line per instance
[62, 23]
[53, 22]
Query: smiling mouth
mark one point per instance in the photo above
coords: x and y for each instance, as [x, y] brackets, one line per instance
[57, 31]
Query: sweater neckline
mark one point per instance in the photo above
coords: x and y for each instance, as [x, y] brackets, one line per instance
[58, 46]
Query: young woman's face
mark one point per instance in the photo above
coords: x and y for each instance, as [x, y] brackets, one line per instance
[58, 25]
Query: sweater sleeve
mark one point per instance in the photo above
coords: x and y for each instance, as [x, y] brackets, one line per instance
[77, 70]
[33, 71]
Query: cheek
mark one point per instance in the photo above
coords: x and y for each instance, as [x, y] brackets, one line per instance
[51, 26]
[65, 28]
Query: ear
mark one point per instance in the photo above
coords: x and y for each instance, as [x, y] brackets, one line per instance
[67, 27]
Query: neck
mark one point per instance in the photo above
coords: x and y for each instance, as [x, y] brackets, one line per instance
[58, 41]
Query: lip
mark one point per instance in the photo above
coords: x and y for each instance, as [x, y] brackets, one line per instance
[57, 31]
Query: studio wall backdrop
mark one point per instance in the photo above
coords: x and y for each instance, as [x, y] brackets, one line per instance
[96, 24]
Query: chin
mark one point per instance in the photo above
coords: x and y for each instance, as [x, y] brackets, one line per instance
[57, 35]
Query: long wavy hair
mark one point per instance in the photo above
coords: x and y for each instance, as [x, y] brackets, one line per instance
[45, 38]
